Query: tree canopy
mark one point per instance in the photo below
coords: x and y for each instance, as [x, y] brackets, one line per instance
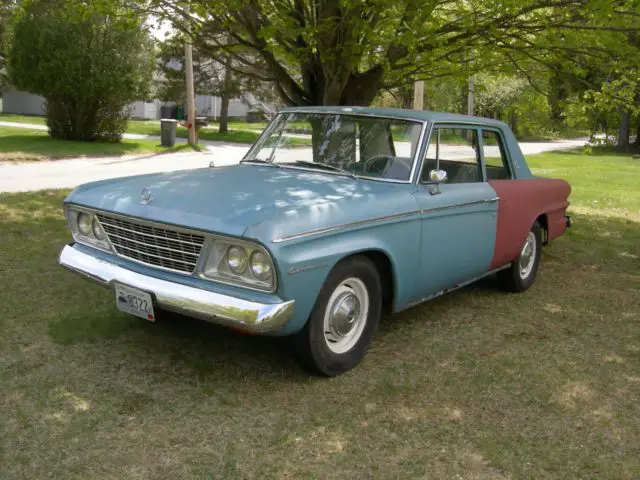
[338, 52]
[7, 8]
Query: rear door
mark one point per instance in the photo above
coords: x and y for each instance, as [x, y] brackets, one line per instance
[459, 215]
[522, 200]
[513, 223]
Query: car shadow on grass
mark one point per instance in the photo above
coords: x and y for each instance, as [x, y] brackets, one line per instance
[179, 342]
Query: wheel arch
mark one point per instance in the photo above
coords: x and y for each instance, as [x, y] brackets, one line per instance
[543, 220]
[383, 263]
[306, 264]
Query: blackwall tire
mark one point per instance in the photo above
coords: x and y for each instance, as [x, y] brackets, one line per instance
[522, 272]
[344, 318]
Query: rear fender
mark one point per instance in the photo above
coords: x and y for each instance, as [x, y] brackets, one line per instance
[521, 203]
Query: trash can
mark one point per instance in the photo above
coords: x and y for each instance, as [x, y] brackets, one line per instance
[180, 114]
[168, 111]
[168, 127]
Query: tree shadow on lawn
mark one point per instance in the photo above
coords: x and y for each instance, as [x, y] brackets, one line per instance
[24, 148]
[46, 146]
[178, 342]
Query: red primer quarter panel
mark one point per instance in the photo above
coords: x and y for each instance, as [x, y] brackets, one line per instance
[521, 203]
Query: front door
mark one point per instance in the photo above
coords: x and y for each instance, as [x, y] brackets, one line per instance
[458, 216]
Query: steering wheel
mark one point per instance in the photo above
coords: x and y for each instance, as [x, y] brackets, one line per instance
[371, 160]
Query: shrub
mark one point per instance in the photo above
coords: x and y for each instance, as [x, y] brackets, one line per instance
[88, 60]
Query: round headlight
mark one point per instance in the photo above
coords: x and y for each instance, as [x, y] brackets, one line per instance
[84, 223]
[98, 232]
[260, 266]
[237, 260]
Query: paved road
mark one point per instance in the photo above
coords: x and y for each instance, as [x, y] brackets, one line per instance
[70, 173]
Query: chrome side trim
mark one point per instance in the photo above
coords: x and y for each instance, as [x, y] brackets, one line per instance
[319, 231]
[458, 205]
[293, 271]
[204, 304]
[335, 228]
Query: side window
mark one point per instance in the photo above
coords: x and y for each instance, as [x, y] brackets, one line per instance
[454, 150]
[495, 158]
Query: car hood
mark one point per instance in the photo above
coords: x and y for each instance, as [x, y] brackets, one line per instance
[231, 200]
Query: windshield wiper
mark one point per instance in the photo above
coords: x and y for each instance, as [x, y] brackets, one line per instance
[261, 162]
[326, 166]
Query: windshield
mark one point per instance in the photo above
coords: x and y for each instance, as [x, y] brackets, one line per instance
[363, 146]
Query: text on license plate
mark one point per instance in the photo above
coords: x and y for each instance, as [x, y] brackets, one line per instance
[134, 301]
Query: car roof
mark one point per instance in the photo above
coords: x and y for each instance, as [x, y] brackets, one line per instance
[419, 115]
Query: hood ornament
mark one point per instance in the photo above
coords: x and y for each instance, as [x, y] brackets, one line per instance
[145, 197]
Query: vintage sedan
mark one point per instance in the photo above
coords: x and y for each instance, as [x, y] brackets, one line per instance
[334, 216]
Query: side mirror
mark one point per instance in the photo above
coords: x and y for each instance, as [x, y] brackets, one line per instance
[437, 176]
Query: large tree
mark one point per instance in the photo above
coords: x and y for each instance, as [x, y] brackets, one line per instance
[337, 52]
[7, 8]
[89, 60]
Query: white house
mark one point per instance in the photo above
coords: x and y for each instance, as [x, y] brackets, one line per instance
[15, 101]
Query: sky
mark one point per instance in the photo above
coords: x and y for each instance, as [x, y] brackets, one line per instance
[159, 28]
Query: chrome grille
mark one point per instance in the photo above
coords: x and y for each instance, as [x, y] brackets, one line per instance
[161, 247]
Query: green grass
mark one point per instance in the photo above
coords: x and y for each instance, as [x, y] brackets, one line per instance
[13, 117]
[20, 145]
[605, 183]
[478, 384]
[239, 132]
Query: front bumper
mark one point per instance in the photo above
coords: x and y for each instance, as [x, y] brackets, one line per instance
[195, 302]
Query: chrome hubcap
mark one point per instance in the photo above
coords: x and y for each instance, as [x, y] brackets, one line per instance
[527, 256]
[346, 315]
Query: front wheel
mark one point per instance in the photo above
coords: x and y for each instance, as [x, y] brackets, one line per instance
[522, 272]
[344, 318]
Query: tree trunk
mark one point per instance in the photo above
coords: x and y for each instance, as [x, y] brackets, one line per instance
[558, 94]
[225, 97]
[224, 113]
[623, 130]
[342, 88]
[406, 97]
[638, 131]
[513, 121]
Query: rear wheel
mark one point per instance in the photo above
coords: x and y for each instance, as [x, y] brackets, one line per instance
[344, 318]
[522, 272]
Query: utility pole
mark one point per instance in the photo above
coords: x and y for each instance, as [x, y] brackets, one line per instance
[191, 108]
[418, 95]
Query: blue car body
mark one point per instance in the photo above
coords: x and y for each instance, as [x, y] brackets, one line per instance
[310, 220]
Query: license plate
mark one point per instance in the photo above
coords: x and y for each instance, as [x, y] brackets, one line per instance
[134, 301]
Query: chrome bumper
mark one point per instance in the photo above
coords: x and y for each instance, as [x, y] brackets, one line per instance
[190, 301]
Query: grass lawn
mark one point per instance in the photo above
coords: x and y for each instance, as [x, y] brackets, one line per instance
[479, 384]
[21, 145]
[239, 132]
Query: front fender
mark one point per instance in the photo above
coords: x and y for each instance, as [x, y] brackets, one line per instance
[304, 264]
